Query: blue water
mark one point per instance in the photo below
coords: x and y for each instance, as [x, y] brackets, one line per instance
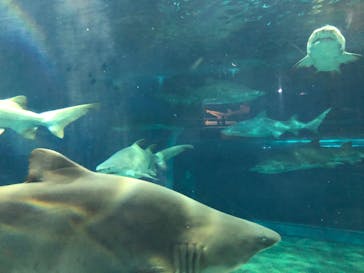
[129, 56]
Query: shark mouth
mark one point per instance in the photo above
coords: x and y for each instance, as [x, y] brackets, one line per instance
[325, 36]
[322, 39]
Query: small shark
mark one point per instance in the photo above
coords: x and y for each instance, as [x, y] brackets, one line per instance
[215, 92]
[13, 115]
[134, 161]
[309, 157]
[326, 50]
[262, 126]
[67, 219]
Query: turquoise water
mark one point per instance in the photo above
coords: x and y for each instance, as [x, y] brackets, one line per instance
[167, 73]
[310, 249]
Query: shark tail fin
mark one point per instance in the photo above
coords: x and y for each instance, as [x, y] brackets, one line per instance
[348, 57]
[304, 62]
[313, 125]
[57, 120]
[166, 154]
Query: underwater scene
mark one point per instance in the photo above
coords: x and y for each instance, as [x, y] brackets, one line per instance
[190, 136]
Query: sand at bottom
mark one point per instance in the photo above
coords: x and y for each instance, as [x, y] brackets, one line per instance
[299, 255]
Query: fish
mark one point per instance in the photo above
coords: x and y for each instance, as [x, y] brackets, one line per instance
[13, 115]
[262, 126]
[127, 128]
[309, 156]
[66, 218]
[215, 92]
[134, 161]
[326, 50]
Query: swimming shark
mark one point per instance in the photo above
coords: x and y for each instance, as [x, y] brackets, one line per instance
[66, 218]
[262, 126]
[309, 156]
[326, 50]
[214, 92]
[134, 161]
[13, 115]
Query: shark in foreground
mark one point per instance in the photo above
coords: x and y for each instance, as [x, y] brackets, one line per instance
[13, 115]
[134, 161]
[67, 219]
[326, 50]
[262, 126]
[309, 157]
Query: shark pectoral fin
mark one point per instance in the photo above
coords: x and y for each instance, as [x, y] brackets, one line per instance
[2, 130]
[305, 62]
[187, 257]
[347, 57]
[49, 165]
[29, 133]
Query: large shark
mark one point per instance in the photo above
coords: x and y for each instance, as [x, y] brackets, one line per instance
[68, 219]
[326, 50]
[134, 161]
[13, 115]
[309, 157]
[262, 126]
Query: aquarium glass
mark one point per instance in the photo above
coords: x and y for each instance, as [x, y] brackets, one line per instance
[251, 107]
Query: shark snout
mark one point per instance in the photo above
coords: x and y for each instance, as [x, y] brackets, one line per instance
[103, 169]
[269, 238]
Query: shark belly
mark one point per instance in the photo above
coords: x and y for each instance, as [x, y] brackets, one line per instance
[19, 120]
[326, 55]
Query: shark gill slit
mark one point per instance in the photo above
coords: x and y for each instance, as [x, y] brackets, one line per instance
[186, 257]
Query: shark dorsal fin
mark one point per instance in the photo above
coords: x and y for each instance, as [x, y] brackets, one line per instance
[19, 101]
[138, 142]
[48, 165]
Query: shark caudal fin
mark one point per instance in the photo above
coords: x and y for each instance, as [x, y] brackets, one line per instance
[313, 125]
[57, 120]
[166, 154]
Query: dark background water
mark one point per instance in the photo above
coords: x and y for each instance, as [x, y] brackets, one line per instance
[128, 55]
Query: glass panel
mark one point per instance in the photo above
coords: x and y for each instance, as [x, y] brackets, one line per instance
[253, 108]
